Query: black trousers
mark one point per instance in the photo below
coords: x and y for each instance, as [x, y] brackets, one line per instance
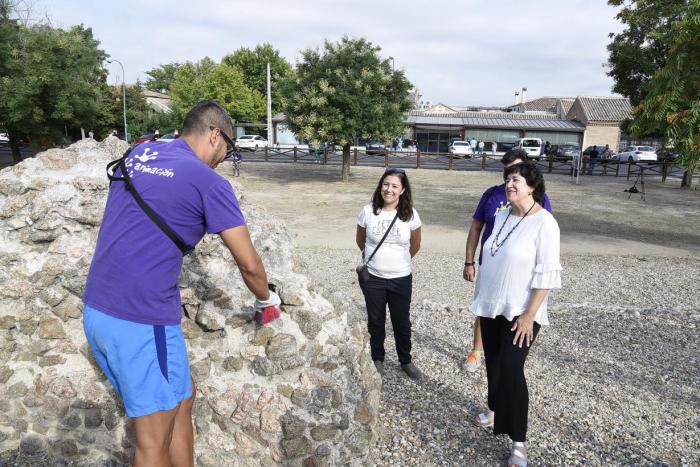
[505, 372]
[396, 293]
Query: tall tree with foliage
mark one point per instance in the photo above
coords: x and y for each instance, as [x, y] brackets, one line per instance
[671, 105]
[52, 79]
[162, 78]
[344, 92]
[253, 65]
[207, 80]
[642, 48]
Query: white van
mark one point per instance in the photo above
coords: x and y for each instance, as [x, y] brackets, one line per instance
[533, 147]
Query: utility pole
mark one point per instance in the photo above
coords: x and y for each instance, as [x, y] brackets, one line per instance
[270, 133]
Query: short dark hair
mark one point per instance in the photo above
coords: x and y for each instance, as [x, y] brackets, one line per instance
[533, 177]
[514, 154]
[405, 206]
[203, 116]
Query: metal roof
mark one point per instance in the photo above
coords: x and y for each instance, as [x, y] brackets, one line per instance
[486, 121]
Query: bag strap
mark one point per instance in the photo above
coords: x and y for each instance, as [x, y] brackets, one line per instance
[384, 237]
[171, 234]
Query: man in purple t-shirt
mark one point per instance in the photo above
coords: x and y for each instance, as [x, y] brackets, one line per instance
[493, 200]
[132, 306]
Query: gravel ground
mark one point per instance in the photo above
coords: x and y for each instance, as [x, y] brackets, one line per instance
[613, 381]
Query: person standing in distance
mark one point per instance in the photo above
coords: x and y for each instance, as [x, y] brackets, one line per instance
[132, 303]
[491, 203]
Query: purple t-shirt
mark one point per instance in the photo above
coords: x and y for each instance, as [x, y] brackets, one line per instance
[494, 200]
[134, 272]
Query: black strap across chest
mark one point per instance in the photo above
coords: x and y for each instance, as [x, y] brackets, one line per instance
[162, 225]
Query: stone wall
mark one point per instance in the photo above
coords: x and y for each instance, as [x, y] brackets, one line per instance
[300, 390]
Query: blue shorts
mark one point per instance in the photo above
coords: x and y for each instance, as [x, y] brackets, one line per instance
[147, 364]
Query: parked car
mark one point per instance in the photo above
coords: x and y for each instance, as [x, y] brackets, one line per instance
[461, 149]
[666, 154]
[375, 147]
[532, 146]
[168, 137]
[565, 151]
[4, 139]
[637, 153]
[251, 142]
[145, 138]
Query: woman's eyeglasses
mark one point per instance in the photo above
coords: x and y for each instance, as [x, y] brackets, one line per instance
[231, 147]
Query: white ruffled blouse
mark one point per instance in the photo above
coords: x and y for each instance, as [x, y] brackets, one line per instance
[528, 259]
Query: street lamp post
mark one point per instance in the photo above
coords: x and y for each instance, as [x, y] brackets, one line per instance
[392, 63]
[126, 127]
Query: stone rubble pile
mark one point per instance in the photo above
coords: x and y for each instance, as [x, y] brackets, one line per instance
[300, 390]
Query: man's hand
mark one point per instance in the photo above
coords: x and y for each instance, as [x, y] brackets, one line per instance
[268, 310]
[469, 273]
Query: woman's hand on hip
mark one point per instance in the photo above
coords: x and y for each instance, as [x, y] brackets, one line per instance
[523, 328]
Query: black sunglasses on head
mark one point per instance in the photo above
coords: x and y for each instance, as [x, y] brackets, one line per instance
[231, 151]
[392, 170]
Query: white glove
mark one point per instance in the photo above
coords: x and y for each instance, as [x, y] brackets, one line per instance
[274, 300]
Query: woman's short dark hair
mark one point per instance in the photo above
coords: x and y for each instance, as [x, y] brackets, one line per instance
[533, 177]
[405, 206]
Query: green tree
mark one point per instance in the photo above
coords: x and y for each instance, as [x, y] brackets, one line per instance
[253, 65]
[671, 105]
[197, 81]
[51, 79]
[162, 78]
[347, 91]
[642, 48]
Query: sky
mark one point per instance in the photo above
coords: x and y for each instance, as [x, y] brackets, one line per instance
[458, 53]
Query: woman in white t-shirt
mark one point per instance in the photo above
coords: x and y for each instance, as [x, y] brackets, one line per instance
[390, 280]
[519, 267]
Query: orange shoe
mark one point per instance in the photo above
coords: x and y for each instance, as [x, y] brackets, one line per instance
[473, 361]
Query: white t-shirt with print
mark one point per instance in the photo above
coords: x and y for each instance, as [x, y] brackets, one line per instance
[393, 259]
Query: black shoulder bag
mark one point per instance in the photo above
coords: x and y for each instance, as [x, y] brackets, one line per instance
[172, 235]
[362, 271]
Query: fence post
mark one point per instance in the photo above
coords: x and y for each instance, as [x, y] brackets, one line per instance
[551, 163]
[449, 163]
[629, 168]
[295, 154]
[266, 151]
[664, 171]
[483, 161]
[386, 158]
[325, 156]
[417, 159]
[585, 166]
[354, 162]
[617, 169]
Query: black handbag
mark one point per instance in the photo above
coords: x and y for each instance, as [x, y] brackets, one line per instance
[362, 270]
[162, 225]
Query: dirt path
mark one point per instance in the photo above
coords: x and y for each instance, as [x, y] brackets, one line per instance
[596, 217]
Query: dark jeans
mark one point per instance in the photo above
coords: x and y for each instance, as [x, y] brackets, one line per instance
[396, 293]
[505, 372]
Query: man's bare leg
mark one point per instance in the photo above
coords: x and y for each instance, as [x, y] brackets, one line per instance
[182, 444]
[153, 435]
[478, 344]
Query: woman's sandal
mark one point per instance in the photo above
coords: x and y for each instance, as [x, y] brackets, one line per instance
[484, 420]
[518, 456]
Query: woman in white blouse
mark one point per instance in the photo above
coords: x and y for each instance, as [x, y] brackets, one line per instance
[520, 266]
[391, 282]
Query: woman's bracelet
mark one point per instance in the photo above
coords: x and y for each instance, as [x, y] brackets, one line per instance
[467, 263]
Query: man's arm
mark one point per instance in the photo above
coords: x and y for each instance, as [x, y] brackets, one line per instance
[238, 241]
[472, 241]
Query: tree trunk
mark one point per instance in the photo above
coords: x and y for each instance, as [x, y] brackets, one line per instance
[346, 162]
[687, 179]
[16, 153]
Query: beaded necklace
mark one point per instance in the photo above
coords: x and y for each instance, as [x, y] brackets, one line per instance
[495, 240]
